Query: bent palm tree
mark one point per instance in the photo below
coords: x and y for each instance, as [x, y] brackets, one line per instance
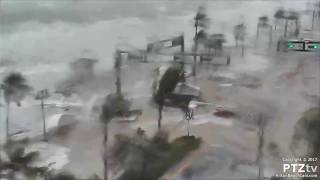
[167, 84]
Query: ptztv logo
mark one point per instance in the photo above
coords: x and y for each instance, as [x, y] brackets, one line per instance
[299, 168]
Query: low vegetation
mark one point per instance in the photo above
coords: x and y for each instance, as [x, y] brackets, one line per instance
[144, 158]
[17, 163]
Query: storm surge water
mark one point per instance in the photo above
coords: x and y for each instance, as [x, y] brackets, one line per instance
[40, 39]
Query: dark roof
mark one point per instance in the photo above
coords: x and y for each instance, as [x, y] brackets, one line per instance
[84, 61]
[217, 36]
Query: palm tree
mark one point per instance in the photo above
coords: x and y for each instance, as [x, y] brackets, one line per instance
[279, 15]
[15, 89]
[282, 14]
[264, 23]
[201, 21]
[114, 105]
[239, 35]
[316, 13]
[167, 84]
[108, 112]
[293, 16]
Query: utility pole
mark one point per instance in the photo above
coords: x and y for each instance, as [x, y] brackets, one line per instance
[41, 95]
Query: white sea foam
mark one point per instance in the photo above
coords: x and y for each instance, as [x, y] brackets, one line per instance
[207, 118]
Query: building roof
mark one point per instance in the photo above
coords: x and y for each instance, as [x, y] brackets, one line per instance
[84, 62]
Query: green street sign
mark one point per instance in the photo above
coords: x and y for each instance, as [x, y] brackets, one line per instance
[290, 45]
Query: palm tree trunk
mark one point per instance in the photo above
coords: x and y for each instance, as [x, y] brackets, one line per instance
[105, 155]
[257, 35]
[313, 16]
[195, 50]
[7, 121]
[44, 121]
[242, 49]
[270, 36]
[160, 115]
[118, 82]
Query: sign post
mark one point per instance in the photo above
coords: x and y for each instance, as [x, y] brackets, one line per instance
[41, 95]
[188, 117]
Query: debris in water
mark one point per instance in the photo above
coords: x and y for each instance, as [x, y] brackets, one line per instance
[224, 113]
